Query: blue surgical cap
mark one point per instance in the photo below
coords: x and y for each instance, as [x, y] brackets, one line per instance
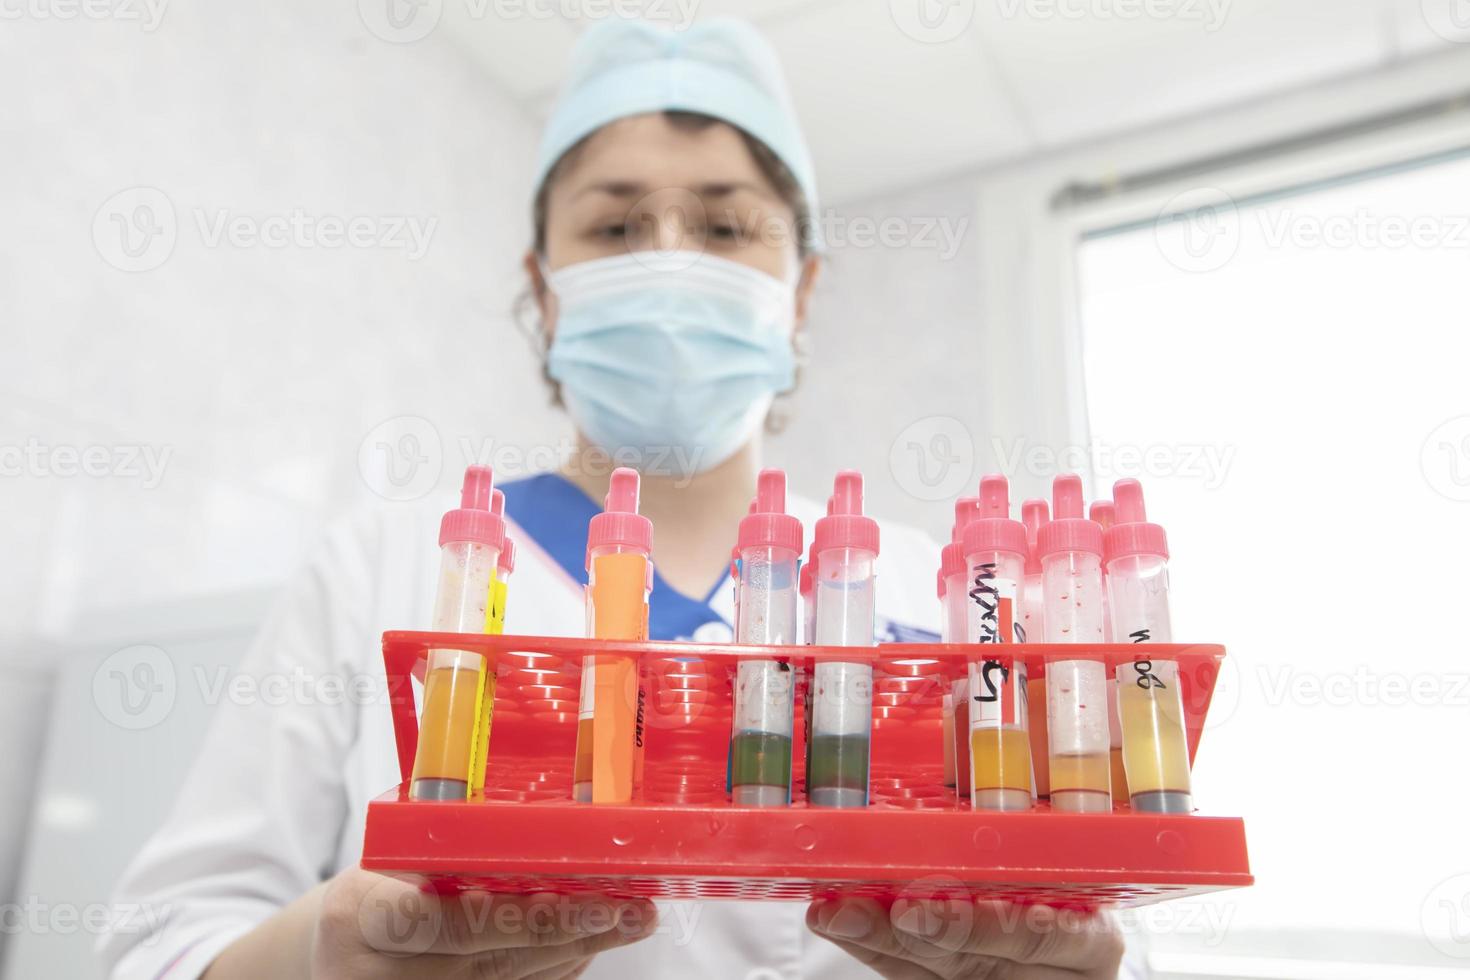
[719, 67]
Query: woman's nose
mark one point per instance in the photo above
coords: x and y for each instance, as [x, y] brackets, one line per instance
[666, 221]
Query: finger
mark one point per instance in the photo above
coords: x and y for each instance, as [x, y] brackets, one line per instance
[567, 971]
[1036, 934]
[888, 967]
[861, 928]
[636, 920]
[478, 922]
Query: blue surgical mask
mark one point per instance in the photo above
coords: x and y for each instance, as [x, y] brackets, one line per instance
[673, 358]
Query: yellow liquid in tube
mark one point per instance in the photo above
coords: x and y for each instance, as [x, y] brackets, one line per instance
[1086, 773]
[1120, 775]
[450, 694]
[1155, 753]
[1000, 758]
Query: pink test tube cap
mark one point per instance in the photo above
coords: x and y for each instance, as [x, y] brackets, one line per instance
[620, 524]
[1068, 530]
[1133, 533]
[768, 525]
[1034, 513]
[475, 520]
[845, 526]
[994, 530]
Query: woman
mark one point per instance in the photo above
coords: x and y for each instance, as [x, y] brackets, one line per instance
[672, 267]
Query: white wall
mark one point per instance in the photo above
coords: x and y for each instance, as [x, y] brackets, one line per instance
[258, 371]
[898, 357]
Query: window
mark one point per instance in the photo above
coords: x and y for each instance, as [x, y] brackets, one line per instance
[1291, 374]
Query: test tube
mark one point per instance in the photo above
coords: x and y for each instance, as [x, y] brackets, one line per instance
[846, 550]
[470, 541]
[495, 625]
[806, 585]
[619, 578]
[1000, 747]
[1150, 704]
[1034, 513]
[953, 601]
[1102, 513]
[770, 548]
[957, 603]
[1076, 689]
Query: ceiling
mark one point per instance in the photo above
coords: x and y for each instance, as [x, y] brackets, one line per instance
[893, 92]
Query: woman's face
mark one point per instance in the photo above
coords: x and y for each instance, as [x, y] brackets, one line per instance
[650, 183]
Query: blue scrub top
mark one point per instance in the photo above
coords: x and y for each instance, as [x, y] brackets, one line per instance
[556, 513]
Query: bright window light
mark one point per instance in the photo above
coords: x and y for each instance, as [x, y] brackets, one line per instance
[1293, 375]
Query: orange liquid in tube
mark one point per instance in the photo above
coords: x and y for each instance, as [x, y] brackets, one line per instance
[455, 705]
[619, 573]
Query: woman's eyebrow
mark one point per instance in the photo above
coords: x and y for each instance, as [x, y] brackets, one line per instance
[635, 188]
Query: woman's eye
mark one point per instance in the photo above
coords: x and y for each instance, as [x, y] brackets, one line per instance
[723, 232]
[612, 231]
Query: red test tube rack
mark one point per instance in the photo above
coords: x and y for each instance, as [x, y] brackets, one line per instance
[681, 837]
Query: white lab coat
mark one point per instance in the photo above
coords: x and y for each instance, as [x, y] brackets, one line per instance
[277, 797]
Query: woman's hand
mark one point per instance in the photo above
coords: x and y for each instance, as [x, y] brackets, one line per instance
[376, 928]
[961, 940]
